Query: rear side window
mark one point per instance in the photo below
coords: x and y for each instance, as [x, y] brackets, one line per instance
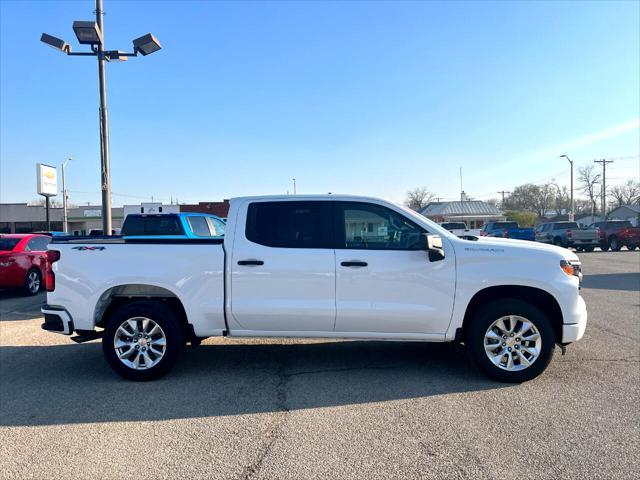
[290, 224]
[620, 224]
[199, 226]
[38, 244]
[160, 225]
[217, 227]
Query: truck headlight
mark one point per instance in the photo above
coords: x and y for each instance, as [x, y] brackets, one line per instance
[571, 268]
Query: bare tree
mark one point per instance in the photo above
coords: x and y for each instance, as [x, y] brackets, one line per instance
[625, 194]
[587, 180]
[418, 198]
[562, 202]
[41, 202]
[494, 202]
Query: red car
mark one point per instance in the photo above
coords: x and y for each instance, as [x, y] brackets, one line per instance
[23, 259]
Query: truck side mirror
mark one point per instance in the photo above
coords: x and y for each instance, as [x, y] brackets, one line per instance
[433, 245]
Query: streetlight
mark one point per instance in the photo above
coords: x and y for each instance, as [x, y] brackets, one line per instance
[571, 214]
[65, 219]
[92, 33]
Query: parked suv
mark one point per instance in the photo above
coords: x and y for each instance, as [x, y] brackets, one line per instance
[568, 234]
[615, 234]
[507, 230]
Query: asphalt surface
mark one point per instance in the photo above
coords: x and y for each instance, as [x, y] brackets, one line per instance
[326, 409]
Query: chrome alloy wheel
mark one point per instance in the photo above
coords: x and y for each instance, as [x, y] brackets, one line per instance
[33, 282]
[140, 343]
[512, 343]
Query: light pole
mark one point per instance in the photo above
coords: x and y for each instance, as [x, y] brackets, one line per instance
[571, 212]
[92, 34]
[294, 187]
[65, 220]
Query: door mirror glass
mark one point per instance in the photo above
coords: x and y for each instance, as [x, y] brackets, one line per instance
[433, 244]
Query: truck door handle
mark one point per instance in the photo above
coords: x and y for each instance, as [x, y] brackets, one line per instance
[250, 262]
[354, 264]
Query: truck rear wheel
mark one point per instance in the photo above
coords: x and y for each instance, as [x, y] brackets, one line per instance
[142, 340]
[511, 340]
[614, 244]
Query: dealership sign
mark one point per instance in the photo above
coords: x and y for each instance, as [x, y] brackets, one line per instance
[47, 180]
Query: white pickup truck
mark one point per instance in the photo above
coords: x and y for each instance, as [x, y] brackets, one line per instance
[317, 266]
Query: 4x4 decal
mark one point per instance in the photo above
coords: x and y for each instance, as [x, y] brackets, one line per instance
[83, 248]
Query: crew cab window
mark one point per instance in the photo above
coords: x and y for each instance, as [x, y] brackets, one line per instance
[199, 226]
[290, 224]
[374, 227]
[8, 244]
[38, 244]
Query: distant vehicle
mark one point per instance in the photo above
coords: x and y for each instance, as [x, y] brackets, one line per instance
[173, 225]
[23, 260]
[459, 229]
[97, 232]
[568, 234]
[615, 234]
[507, 230]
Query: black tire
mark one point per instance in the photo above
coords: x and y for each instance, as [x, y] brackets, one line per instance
[579, 249]
[632, 247]
[163, 316]
[588, 249]
[614, 244]
[558, 242]
[604, 247]
[32, 282]
[482, 320]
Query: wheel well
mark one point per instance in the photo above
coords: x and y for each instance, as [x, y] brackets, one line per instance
[542, 300]
[116, 297]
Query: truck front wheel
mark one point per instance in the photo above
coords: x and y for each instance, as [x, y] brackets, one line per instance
[142, 340]
[511, 340]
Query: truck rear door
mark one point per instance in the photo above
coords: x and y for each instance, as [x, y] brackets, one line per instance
[283, 267]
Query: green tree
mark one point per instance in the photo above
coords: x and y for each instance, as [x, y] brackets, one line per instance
[523, 218]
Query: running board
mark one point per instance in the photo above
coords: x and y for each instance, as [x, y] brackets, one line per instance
[86, 336]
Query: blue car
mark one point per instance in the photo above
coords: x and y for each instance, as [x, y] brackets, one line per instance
[173, 226]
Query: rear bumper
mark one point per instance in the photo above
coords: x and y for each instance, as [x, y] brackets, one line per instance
[573, 331]
[57, 320]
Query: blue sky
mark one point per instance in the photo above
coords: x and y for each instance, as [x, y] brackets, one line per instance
[364, 97]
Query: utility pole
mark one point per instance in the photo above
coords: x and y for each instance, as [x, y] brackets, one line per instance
[603, 198]
[65, 219]
[92, 33]
[461, 191]
[503, 193]
[571, 213]
[294, 186]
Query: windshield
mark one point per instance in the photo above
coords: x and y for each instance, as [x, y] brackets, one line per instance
[8, 244]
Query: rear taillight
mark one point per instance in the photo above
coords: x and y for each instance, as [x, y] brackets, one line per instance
[505, 233]
[569, 234]
[599, 234]
[50, 277]
[482, 233]
[535, 231]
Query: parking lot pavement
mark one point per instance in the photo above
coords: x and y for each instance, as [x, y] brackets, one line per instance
[326, 409]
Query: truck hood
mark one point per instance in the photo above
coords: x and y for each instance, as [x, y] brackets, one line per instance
[514, 247]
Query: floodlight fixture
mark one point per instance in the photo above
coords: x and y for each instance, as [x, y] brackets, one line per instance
[87, 33]
[55, 42]
[146, 44]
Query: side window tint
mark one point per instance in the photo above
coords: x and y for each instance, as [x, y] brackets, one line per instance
[199, 226]
[162, 226]
[368, 226]
[133, 226]
[290, 224]
[38, 244]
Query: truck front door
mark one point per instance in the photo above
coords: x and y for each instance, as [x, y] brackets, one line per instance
[384, 279]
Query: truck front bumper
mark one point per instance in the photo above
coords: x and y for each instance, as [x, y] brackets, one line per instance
[573, 331]
[57, 320]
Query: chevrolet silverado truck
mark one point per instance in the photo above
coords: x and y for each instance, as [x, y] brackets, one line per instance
[325, 266]
[568, 234]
